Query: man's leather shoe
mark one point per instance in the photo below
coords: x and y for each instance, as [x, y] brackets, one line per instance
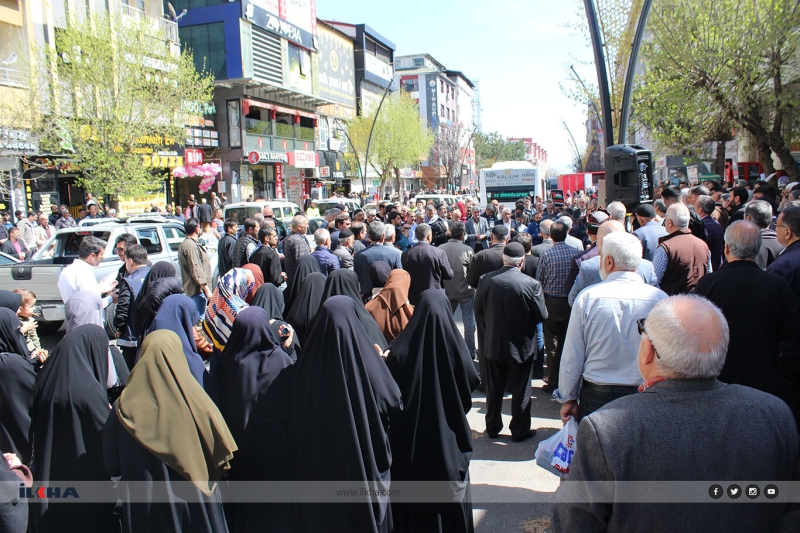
[490, 435]
[523, 436]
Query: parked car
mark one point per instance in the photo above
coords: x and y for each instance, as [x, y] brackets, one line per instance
[283, 211]
[448, 199]
[330, 203]
[40, 274]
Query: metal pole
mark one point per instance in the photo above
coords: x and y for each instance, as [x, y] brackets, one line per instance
[591, 102]
[602, 74]
[627, 92]
[353, 146]
[369, 141]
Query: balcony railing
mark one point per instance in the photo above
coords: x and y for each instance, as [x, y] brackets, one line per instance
[167, 27]
[12, 78]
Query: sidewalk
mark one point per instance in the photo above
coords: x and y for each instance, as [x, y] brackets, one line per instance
[508, 468]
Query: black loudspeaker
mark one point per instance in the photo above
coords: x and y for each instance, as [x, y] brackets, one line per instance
[629, 175]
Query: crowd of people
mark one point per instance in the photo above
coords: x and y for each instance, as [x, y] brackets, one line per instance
[661, 331]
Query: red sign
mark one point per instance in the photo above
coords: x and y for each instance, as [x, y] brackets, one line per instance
[194, 157]
[279, 181]
[253, 157]
[324, 172]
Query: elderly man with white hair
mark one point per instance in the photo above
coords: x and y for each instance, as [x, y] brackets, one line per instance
[589, 270]
[571, 241]
[683, 425]
[617, 211]
[328, 262]
[598, 364]
[681, 259]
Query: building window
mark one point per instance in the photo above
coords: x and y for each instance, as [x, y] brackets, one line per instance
[234, 124]
[411, 85]
[207, 43]
[419, 61]
[442, 111]
[442, 82]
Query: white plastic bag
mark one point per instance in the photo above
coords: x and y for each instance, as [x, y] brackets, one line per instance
[555, 454]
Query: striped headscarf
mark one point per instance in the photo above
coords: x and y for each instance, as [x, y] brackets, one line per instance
[226, 303]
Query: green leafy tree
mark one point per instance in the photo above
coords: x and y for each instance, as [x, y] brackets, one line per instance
[111, 84]
[400, 139]
[714, 66]
[493, 147]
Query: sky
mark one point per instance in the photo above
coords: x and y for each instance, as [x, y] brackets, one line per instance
[517, 50]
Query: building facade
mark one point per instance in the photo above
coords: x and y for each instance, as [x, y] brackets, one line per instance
[445, 99]
[534, 154]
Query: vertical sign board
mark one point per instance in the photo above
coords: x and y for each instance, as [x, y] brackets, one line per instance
[279, 181]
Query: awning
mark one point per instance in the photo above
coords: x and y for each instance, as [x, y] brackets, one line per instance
[247, 102]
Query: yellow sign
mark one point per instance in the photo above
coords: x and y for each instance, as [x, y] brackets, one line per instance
[162, 161]
[129, 205]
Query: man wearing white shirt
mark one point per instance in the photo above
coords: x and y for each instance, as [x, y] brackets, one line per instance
[79, 276]
[599, 362]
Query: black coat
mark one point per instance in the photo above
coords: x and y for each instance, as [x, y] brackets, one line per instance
[761, 311]
[8, 248]
[428, 267]
[269, 262]
[225, 253]
[485, 261]
[509, 304]
[204, 212]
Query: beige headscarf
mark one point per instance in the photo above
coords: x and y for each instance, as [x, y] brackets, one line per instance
[390, 307]
[167, 411]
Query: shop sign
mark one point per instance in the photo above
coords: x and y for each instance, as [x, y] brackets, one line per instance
[279, 181]
[375, 66]
[256, 157]
[256, 14]
[338, 175]
[17, 142]
[324, 172]
[303, 159]
[194, 157]
[335, 145]
[162, 161]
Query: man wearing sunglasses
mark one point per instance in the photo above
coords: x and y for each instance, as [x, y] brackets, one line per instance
[599, 361]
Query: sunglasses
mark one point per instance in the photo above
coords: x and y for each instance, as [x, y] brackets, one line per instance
[642, 331]
[118, 250]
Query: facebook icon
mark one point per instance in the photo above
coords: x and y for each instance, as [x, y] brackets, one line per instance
[715, 491]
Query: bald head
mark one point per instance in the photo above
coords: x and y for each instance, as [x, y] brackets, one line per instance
[690, 336]
[742, 241]
[607, 227]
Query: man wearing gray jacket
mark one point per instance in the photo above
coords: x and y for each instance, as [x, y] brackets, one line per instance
[457, 289]
[682, 425]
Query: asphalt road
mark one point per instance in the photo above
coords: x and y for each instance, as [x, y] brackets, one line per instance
[509, 491]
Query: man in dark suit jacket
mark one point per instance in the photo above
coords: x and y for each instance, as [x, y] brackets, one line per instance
[204, 212]
[376, 251]
[684, 425]
[547, 242]
[266, 257]
[226, 245]
[509, 304]
[759, 213]
[485, 261]
[490, 259]
[477, 225]
[427, 265]
[8, 247]
[753, 351]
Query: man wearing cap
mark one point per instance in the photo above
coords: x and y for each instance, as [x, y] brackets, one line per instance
[649, 230]
[510, 305]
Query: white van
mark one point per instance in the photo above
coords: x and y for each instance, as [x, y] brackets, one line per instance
[330, 203]
[283, 211]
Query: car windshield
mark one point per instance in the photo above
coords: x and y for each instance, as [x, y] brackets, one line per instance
[242, 213]
[65, 245]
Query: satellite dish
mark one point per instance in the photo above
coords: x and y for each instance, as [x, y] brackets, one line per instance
[10, 60]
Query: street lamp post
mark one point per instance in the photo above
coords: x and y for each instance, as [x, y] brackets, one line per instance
[372, 129]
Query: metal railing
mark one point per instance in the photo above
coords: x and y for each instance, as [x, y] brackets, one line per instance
[167, 27]
[12, 78]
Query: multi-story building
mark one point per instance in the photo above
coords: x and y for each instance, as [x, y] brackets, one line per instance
[445, 104]
[534, 154]
[38, 179]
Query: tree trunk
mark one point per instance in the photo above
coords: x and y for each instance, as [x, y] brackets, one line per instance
[778, 145]
[719, 161]
[765, 154]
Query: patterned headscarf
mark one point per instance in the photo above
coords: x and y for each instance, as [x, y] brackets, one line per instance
[226, 303]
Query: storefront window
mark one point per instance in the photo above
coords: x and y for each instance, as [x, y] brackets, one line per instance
[234, 124]
[322, 129]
